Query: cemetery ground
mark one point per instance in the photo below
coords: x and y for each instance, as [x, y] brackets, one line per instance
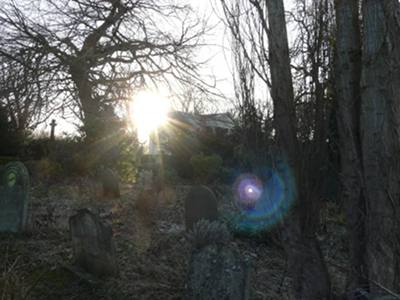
[152, 250]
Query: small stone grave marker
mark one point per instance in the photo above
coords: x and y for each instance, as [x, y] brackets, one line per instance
[14, 197]
[200, 203]
[93, 245]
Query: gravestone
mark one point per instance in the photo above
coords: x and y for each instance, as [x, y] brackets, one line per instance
[217, 270]
[200, 203]
[110, 183]
[92, 243]
[14, 197]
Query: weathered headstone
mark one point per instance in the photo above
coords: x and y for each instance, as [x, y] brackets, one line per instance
[14, 197]
[217, 270]
[200, 203]
[93, 245]
[110, 184]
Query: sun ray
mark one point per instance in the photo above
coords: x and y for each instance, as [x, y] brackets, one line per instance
[149, 112]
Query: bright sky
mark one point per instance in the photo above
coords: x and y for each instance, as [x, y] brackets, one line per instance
[216, 52]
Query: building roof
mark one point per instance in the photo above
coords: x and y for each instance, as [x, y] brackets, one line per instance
[197, 121]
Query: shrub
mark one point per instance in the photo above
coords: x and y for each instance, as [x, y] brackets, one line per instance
[206, 168]
[128, 160]
[48, 169]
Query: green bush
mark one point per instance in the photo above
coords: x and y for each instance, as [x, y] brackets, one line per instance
[48, 169]
[206, 168]
[128, 160]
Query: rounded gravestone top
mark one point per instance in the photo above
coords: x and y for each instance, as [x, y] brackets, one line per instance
[200, 203]
[15, 174]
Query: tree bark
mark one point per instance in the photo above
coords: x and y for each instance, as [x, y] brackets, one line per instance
[380, 123]
[309, 273]
[90, 109]
[348, 73]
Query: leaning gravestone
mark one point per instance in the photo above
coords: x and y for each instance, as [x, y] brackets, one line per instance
[14, 197]
[200, 203]
[92, 242]
[216, 270]
[110, 183]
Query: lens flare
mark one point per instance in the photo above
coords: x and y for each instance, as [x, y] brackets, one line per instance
[248, 189]
[262, 204]
[149, 111]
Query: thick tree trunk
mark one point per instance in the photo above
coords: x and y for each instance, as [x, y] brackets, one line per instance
[380, 125]
[89, 107]
[311, 280]
[348, 73]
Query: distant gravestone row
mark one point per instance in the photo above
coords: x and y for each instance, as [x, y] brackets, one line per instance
[216, 271]
[14, 197]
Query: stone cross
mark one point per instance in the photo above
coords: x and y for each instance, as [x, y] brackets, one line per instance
[14, 197]
[53, 125]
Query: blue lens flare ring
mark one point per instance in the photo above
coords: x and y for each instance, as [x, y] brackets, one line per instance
[263, 203]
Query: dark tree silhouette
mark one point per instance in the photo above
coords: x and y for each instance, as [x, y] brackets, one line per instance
[348, 73]
[260, 28]
[99, 50]
[27, 94]
[380, 140]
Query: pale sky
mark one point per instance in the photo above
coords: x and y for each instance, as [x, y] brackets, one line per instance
[217, 53]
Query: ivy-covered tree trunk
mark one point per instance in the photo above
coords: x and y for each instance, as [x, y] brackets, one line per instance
[306, 265]
[348, 73]
[380, 125]
[89, 108]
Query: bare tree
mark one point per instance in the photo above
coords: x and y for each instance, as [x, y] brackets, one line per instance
[264, 30]
[98, 48]
[380, 140]
[311, 61]
[252, 114]
[193, 98]
[26, 93]
[348, 74]
[311, 280]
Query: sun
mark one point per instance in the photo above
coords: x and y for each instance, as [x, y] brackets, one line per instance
[149, 111]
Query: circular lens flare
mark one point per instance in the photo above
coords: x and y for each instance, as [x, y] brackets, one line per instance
[248, 189]
[262, 204]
